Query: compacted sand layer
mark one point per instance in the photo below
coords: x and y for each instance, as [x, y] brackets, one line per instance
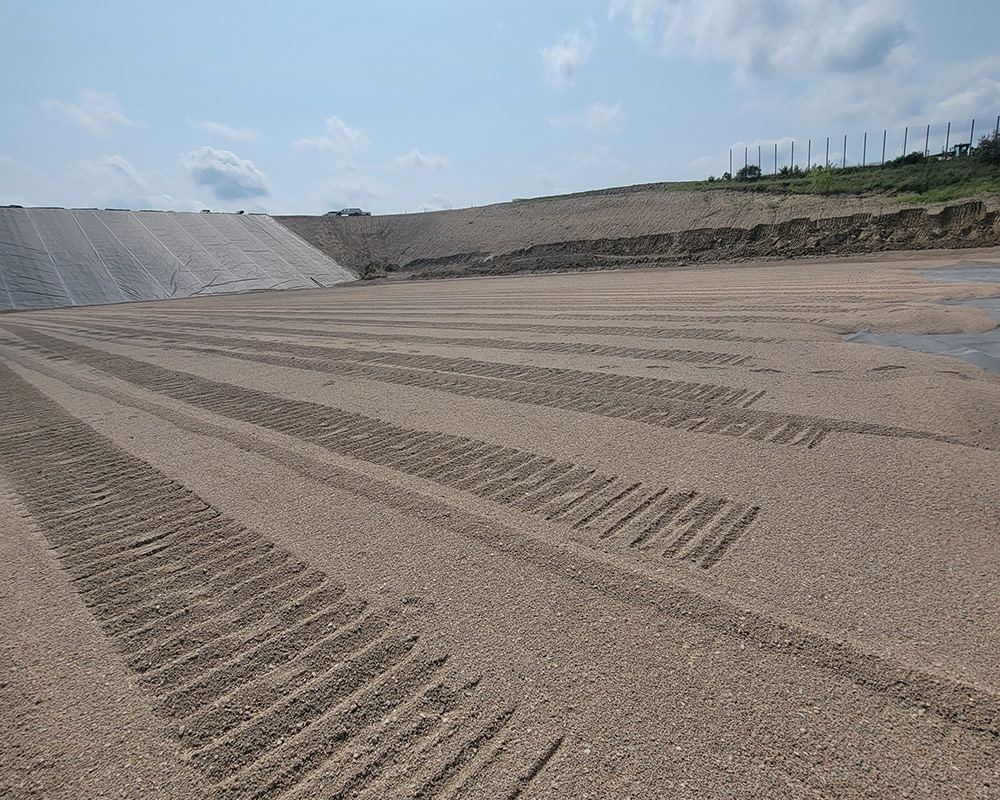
[637, 534]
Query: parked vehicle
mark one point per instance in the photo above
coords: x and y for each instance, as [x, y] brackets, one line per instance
[348, 212]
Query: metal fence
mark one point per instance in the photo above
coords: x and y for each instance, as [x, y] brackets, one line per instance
[863, 148]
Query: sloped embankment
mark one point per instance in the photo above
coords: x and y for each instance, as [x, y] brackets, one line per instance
[381, 246]
[55, 257]
[967, 225]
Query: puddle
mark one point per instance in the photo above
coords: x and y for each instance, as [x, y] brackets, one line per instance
[981, 349]
[965, 272]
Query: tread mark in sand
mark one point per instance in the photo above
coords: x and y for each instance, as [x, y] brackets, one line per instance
[461, 367]
[701, 408]
[956, 703]
[584, 504]
[711, 334]
[265, 670]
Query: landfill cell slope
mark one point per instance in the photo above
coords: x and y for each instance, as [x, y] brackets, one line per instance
[55, 257]
[632, 534]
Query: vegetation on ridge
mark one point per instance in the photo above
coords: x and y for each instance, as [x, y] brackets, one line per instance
[911, 178]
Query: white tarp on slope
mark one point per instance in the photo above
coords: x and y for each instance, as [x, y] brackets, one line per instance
[64, 257]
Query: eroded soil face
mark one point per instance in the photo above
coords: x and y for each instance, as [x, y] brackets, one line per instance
[640, 226]
[633, 534]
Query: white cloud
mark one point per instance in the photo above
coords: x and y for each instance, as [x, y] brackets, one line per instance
[225, 131]
[340, 138]
[566, 56]
[583, 169]
[434, 202]
[550, 181]
[856, 61]
[701, 165]
[747, 152]
[773, 38]
[602, 116]
[979, 91]
[906, 93]
[415, 161]
[118, 184]
[596, 117]
[96, 112]
[348, 191]
[228, 176]
[117, 169]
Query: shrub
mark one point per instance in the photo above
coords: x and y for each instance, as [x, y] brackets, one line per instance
[916, 157]
[750, 172]
[988, 149]
[791, 172]
[824, 180]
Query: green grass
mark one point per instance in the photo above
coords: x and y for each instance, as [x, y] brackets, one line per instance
[928, 181]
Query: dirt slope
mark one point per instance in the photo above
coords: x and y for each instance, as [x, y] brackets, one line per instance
[628, 534]
[440, 243]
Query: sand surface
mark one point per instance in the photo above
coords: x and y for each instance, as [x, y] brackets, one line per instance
[639, 534]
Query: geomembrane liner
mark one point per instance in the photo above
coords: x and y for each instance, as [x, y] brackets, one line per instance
[70, 257]
[981, 349]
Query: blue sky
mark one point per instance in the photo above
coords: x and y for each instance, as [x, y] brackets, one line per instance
[300, 107]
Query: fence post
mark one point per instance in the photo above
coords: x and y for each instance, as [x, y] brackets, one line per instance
[927, 141]
[809, 155]
[947, 138]
[864, 150]
[906, 130]
[775, 158]
[746, 161]
[758, 158]
[791, 161]
[885, 133]
[827, 152]
[996, 130]
[844, 164]
[972, 133]
[730, 162]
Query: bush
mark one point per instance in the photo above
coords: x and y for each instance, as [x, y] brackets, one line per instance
[916, 157]
[824, 180]
[988, 149]
[791, 172]
[750, 172]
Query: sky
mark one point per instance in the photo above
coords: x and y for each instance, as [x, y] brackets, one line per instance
[304, 107]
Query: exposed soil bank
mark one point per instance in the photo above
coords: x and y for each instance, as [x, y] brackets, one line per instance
[642, 227]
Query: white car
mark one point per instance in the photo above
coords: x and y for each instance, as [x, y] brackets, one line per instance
[348, 212]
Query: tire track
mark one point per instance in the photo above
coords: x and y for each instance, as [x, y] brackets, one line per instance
[550, 489]
[552, 376]
[695, 413]
[262, 667]
[575, 348]
[345, 314]
[956, 703]
[710, 334]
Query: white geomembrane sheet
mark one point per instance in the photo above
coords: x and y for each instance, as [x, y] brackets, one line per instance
[53, 257]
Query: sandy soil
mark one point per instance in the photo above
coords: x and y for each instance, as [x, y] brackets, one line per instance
[612, 214]
[635, 534]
